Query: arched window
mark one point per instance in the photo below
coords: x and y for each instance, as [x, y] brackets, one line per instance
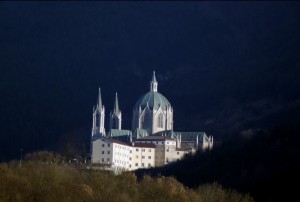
[160, 121]
[97, 119]
[115, 123]
[146, 120]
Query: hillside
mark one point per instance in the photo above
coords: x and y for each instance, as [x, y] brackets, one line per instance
[264, 162]
[36, 181]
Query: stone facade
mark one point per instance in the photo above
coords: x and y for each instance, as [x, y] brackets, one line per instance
[152, 141]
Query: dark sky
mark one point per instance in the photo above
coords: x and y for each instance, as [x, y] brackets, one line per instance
[220, 64]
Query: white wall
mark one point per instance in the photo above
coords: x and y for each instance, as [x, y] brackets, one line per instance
[121, 156]
[102, 151]
[171, 152]
[142, 157]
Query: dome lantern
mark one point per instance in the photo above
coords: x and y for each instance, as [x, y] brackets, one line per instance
[153, 83]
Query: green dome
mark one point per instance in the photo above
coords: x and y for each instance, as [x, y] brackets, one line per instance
[154, 100]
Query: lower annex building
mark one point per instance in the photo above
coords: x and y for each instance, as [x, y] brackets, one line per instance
[151, 142]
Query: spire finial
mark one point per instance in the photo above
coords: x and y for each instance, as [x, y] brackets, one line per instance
[153, 83]
[99, 103]
[116, 108]
[154, 77]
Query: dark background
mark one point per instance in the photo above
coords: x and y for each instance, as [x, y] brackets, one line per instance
[223, 66]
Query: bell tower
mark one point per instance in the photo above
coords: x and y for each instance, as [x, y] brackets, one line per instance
[98, 118]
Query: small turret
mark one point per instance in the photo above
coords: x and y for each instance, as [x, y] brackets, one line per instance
[130, 137]
[178, 141]
[116, 115]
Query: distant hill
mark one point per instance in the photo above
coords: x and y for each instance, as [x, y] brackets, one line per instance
[264, 162]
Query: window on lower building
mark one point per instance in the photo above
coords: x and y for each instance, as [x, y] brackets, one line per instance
[103, 145]
[143, 165]
[108, 145]
[107, 160]
[130, 151]
[102, 152]
[149, 165]
[149, 150]
[143, 150]
[136, 164]
[108, 152]
[129, 158]
[177, 152]
[149, 157]
[102, 160]
[129, 166]
[137, 156]
[137, 150]
[143, 157]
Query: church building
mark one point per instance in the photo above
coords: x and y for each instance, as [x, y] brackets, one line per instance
[151, 142]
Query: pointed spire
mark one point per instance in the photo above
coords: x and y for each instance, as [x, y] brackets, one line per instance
[154, 77]
[116, 107]
[99, 102]
[153, 83]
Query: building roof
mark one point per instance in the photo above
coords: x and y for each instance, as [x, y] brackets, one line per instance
[186, 146]
[191, 136]
[154, 138]
[118, 133]
[120, 142]
[140, 133]
[147, 145]
[185, 136]
[153, 100]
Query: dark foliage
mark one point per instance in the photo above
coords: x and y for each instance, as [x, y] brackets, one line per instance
[38, 181]
[263, 162]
